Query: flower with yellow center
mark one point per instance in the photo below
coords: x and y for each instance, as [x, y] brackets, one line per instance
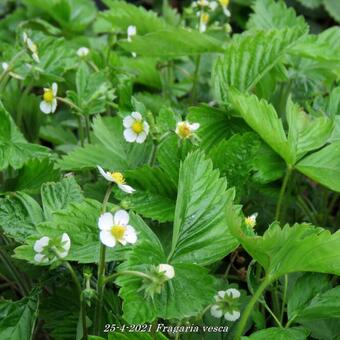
[49, 103]
[136, 129]
[116, 177]
[204, 19]
[185, 130]
[250, 221]
[225, 4]
[115, 228]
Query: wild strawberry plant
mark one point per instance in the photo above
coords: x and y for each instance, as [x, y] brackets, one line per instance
[164, 177]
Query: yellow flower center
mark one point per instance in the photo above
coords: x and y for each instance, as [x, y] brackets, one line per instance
[224, 3]
[184, 131]
[137, 126]
[118, 232]
[48, 96]
[205, 18]
[250, 221]
[118, 177]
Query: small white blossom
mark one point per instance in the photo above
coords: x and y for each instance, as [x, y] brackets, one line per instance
[226, 304]
[5, 66]
[49, 103]
[136, 129]
[251, 220]
[131, 31]
[83, 52]
[115, 228]
[167, 269]
[204, 19]
[224, 4]
[116, 177]
[213, 5]
[185, 129]
[65, 245]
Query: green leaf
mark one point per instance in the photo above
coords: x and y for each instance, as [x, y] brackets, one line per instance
[14, 149]
[183, 296]
[333, 8]
[109, 149]
[249, 58]
[306, 288]
[269, 14]
[34, 173]
[234, 158]
[80, 222]
[19, 215]
[17, 319]
[58, 196]
[323, 166]
[262, 117]
[300, 248]
[200, 233]
[172, 43]
[215, 125]
[155, 194]
[279, 334]
[122, 15]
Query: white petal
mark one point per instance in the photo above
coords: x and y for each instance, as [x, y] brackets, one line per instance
[54, 105]
[136, 115]
[45, 107]
[54, 88]
[235, 315]
[221, 294]
[62, 254]
[105, 174]
[213, 5]
[107, 238]
[146, 127]
[130, 136]
[131, 30]
[121, 217]
[40, 244]
[141, 137]
[40, 258]
[35, 57]
[130, 235]
[128, 121]
[66, 242]
[234, 293]
[105, 221]
[126, 188]
[83, 51]
[5, 66]
[216, 311]
[167, 269]
[226, 11]
[194, 126]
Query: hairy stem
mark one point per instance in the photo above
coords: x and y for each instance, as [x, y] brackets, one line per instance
[246, 313]
[282, 193]
[195, 80]
[101, 272]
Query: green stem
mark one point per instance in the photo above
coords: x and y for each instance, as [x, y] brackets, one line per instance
[273, 315]
[128, 272]
[282, 193]
[195, 80]
[154, 152]
[70, 104]
[284, 297]
[80, 130]
[88, 131]
[101, 272]
[8, 70]
[82, 307]
[246, 313]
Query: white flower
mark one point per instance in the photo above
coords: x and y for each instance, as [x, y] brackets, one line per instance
[5, 66]
[224, 4]
[136, 129]
[185, 129]
[167, 269]
[213, 5]
[116, 177]
[65, 245]
[39, 247]
[200, 3]
[83, 52]
[131, 31]
[251, 220]
[226, 304]
[115, 229]
[31, 46]
[49, 103]
[204, 19]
